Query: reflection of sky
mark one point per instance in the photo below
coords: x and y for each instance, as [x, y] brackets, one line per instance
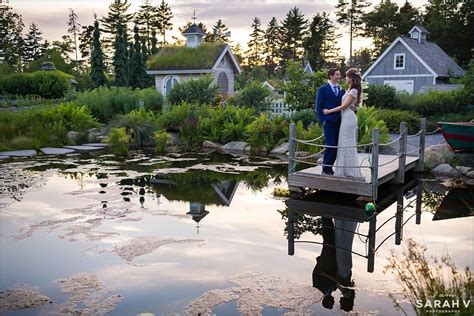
[246, 236]
[51, 15]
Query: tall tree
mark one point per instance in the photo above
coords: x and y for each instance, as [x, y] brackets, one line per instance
[408, 16]
[117, 13]
[219, 33]
[64, 47]
[320, 44]
[154, 43]
[147, 20]
[362, 59]
[255, 45]
[86, 38]
[34, 46]
[120, 56]
[164, 19]
[11, 41]
[293, 30]
[97, 76]
[270, 44]
[74, 29]
[381, 24]
[137, 65]
[349, 13]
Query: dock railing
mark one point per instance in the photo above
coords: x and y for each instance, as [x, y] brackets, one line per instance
[373, 148]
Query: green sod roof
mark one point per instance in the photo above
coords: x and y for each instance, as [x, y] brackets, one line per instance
[182, 57]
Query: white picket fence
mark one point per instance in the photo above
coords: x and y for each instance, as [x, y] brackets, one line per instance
[278, 107]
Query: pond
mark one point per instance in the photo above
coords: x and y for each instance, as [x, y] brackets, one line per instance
[197, 234]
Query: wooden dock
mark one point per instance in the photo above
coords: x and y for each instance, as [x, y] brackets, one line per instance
[376, 168]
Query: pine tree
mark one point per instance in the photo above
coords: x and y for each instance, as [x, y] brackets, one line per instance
[408, 16]
[320, 44]
[97, 76]
[34, 47]
[117, 12]
[120, 57]
[349, 13]
[255, 51]
[74, 29]
[164, 19]
[64, 47]
[11, 41]
[147, 80]
[147, 20]
[86, 38]
[293, 30]
[154, 42]
[220, 33]
[137, 66]
[271, 46]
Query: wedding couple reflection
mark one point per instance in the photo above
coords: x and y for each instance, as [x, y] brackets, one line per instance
[333, 270]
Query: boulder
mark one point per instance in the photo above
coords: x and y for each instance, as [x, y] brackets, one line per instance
[470, 174]
[463, 170]
[94, 134]
[19, 153]
[436, 155]
[73, 137]
[211, 145]
[280, 149]
[444, 170]
[236, 147]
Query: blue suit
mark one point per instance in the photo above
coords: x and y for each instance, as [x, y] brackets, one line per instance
[327, 99]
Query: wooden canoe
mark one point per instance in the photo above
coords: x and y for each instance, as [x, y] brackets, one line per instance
[459, 135]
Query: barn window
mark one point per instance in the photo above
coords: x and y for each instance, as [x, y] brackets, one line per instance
[169, 83]
[223, 83]
[399, 61]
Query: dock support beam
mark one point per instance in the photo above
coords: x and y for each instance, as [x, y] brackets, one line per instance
[420, 164]
[371, 253]
[291, 233]
[419, 194]
[292, 149]
[399, 217]
[402, 153]
[375, 162]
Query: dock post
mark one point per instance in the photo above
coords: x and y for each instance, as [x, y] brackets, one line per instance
[420, 164]
[292, 149]
[371, 253]
[419, 193]
[399, 217]
[291, 233]
[402, 153]
[375, 162]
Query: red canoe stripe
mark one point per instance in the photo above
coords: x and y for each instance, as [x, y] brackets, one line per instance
[460, 137]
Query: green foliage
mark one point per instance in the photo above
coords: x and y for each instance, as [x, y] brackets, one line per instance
[26, 101]
[435, 102]
[262, 133]
[119, 141]
[140, 126]
[183, 57]
[254, 95]
[392, 119]
[307, 116]
[381, 96]
[312, 132]
[161, 139]
[40, 127]
[97, 74]
[367, 121]
[200, 91]
[226, 124]
[105, 103]
[432, 121]
[300, 94]
[45, 84]
[173, 118]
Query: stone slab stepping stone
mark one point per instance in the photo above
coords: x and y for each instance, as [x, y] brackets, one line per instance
[56, 151]
[84, 148]
[4, 157]
[19, 153]
[97, 145]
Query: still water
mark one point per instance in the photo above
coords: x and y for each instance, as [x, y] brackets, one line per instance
[197, 234]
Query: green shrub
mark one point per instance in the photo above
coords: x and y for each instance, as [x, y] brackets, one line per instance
[172, 118]
[261, 133]
[367, 121]
[119, 141]
[140, 126]
[432, 121]
[392, 119]
[199, 91]
[312, 132]
[307, 116]
[254, 95]
[381, 96]
[161, 139]
[435, 102]
[46, 84]
[105, 103]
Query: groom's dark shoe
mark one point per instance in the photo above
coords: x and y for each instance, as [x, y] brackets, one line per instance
[328, 172]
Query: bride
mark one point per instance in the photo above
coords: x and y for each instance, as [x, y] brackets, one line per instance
[347, 155]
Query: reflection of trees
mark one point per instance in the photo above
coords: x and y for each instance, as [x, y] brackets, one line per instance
[302, 223]
[432, 200]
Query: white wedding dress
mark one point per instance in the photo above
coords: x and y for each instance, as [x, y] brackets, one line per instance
[347, 156]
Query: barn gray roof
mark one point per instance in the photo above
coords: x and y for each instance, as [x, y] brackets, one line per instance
[421, 28]
[435, 58]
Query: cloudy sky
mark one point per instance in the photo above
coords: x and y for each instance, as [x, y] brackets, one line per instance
[51, 15]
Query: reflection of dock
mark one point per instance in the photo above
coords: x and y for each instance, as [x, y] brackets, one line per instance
[343, 207]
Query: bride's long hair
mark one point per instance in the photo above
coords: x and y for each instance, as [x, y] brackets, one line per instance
[356, 82]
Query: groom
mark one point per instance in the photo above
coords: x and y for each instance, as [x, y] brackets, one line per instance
[329, 96]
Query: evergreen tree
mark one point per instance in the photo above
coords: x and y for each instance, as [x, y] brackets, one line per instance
[64, 47]
[349, 13]
[408, 16]
[154, 42]
[164, 19]
[320, 45]
[117, 12]
[147, 20]
[293, 29]
[362, 59]
[74, 29]
[137, 63]
[255, 51]
[381, 24]
[11, 41]
[148, 81]
[120, 57]
[34, 46]
[220, 33]
[271, 46]
[86, 38]
[97, 76]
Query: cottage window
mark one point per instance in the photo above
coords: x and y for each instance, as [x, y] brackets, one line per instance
[169, 83]
[399, 61]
